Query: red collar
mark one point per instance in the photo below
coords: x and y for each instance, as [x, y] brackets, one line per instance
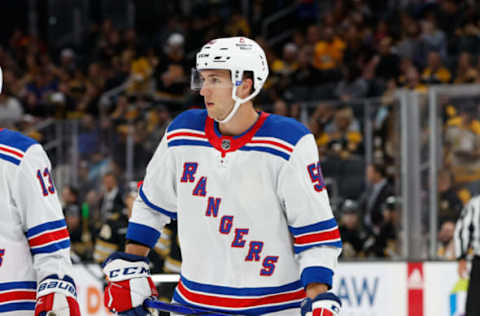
[226, 144]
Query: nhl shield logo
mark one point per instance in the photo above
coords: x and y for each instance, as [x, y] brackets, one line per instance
[226, 144]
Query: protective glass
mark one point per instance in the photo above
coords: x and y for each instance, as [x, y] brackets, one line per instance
[213, 80]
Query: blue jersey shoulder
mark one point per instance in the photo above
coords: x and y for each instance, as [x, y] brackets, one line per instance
[16, 140]
[190, 119]
[284, 128]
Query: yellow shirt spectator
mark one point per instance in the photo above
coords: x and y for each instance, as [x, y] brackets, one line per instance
[141, 72]
[328, 54]
[442, 75]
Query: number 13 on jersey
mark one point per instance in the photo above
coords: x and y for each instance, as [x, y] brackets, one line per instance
[45, 176]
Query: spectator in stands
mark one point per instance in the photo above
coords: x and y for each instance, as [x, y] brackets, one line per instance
[449, 205]
[283, 68]
[313, 35]
[72, 213]
[11, 110]
[388, 62]
[289, 61]
[382, 241]
[141, 74]
[384, 132]
[88, 138]
[353, 86]
[376, 194]
[412, 80]
[111, 201]
[158, 119]
[462, 146]
[238, 25]
[111, 236]
[77, 223]
[466, 37]
[446, 247]
[344, 137]
[67, 60]
[357, 51]
[432, 38]
[171, 68]
[435, 72]
[94, 85]
[465, 71]
[305, 75]
[329, 54]
[409, 45]
[322, 116]
[37, 92]
[350, 231]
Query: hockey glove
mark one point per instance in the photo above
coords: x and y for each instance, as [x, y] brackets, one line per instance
[129, 283]
[325, 304]
[57, 296]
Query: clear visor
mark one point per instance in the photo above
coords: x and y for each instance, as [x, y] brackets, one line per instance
[195, 80]
[215, 78]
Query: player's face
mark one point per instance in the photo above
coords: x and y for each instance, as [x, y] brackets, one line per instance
[217, 93]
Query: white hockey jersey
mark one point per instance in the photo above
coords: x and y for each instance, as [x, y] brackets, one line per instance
[34, 240]
[254, 221]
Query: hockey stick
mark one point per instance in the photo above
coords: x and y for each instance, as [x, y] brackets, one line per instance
[177, 308]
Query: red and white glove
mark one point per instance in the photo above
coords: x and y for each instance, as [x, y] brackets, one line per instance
[129, 282]
[58, 296]
[325, 304]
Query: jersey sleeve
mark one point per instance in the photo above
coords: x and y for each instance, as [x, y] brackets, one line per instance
[36, 198]
[156, 203]
[316, 238]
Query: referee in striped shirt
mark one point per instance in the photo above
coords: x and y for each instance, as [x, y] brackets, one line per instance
[467, 239]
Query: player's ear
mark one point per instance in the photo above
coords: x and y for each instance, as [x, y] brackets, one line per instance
[246, 88]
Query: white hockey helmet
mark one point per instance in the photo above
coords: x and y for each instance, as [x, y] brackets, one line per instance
[238, 55]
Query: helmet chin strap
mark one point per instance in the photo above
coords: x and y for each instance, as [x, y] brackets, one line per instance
[232, 113]
[236, 105]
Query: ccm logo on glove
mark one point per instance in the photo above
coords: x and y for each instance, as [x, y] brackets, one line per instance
[134, 270]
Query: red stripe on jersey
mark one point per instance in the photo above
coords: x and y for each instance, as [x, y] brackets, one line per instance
[16, 153]
[272, 143]
[17, 296]
[218, 301]
[323, 236]
[48, 237]
[185, 134]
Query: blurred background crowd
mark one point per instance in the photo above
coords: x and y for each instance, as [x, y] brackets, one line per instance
[326, 58]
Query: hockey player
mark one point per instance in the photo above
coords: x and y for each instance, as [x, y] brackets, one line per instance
[256, 231]
[35, 267]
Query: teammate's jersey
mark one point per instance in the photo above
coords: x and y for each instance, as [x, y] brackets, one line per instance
[34, 241]
[254, 221]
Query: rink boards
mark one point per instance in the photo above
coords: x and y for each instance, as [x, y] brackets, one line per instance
[366, 289]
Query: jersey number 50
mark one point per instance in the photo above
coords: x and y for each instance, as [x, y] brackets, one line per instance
[45, 174]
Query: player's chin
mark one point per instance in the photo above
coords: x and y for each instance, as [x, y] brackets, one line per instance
[214, 115]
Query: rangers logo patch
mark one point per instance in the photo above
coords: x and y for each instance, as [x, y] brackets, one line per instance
[226, 144]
